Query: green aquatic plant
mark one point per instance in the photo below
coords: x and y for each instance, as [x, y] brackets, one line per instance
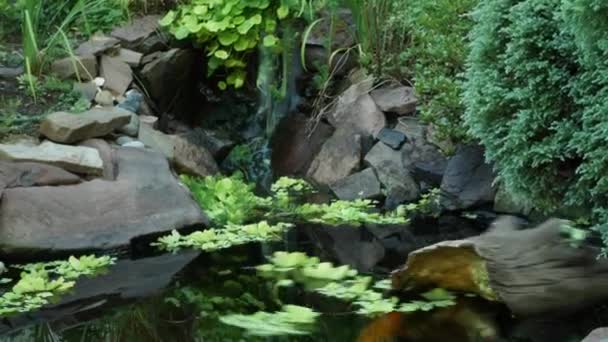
[226, 200]
[41, 283]
[215, 239]
[291, 320]
[344, 283]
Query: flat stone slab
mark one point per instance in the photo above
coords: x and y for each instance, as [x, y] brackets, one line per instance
[69, 128]
[339, 157]
[361, 185]
[133, 34]
[78, 159]
[145, 199]
[15, 175]
[400, 99]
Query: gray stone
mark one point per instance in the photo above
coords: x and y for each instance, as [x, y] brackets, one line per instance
[132, 128]
[217, 144]
[165, 75]
[186, 156]
[107, 154]
[123, 139]
[148, 120]
[391, 172]
[359, 115]
[339, 157]
[87, 90]
[133, 101]
[155, 43]
[118, 74]
[26, 174]
[10, 73]
[399, 195]
[468, 179]
[104, 98]
[132, 58]
[69, 128]
[76, 159]
[294, 145]
[96, 46]
[133, 34]
[414, 131]
[361, 185]
[134, 144]
[424, 162]
[597, 335]
[83, 67]
[400, 99]
[145, 199]
[393, 138]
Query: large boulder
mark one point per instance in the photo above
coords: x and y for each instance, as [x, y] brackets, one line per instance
[68, 128]
[468, 180]
[357, 113]
[295, 143]
[339, 157]
[184, 153]
[26, 174]
[82, 67]
[361, 185]
[145, 199]
[133, 34]
[395, 99]
[78, 159]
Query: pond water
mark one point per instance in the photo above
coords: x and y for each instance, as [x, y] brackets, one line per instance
[180, 297]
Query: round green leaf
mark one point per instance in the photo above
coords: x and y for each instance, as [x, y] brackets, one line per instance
[270, 40]
[221, 54]
[228, 37]
[167, 19]
[282, 12]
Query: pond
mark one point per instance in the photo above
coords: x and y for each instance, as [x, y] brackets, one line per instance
[182, 297]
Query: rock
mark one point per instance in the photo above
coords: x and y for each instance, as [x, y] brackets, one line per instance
[400, 100]
[123, 139]
[165, 75]
[339, 157]
[107, 154]
[69, 128]
[467, 180]
[83, 67]
[151, 57]
[361, 185]
[392, 173]
[597, 335]
[359, 115]
[424, 162]
[96, 46]
[87, 90]
[186, 156]
[118, 74]
[348, 246]
[155, 43]
[148, 120]
[26, 174]
[145, 199]
[104, 98]
[133, 101]
[131, 36]
[134, 144]
[76, 159]
[536, 272]
[132, 128]
[398, 195]
[393, 138]
[414, 131]
[294, 146]
[132, 58]
[218, 145]
[10, 73]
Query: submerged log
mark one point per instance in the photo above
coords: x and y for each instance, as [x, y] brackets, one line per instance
[543, 270]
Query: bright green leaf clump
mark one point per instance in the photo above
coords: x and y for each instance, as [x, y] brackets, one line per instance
[291, 320]
[41, 283]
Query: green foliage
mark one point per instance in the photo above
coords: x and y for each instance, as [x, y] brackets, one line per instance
[41, 283]
[291, 320]
[346, 284]
[230, 235]
[536, 97]
[230, 30]
[224, 199]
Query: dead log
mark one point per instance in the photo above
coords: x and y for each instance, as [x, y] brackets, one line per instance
[533, 271]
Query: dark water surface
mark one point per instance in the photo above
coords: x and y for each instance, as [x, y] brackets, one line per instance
[180, 298]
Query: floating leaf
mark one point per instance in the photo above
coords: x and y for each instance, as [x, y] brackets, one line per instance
[270, 40]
